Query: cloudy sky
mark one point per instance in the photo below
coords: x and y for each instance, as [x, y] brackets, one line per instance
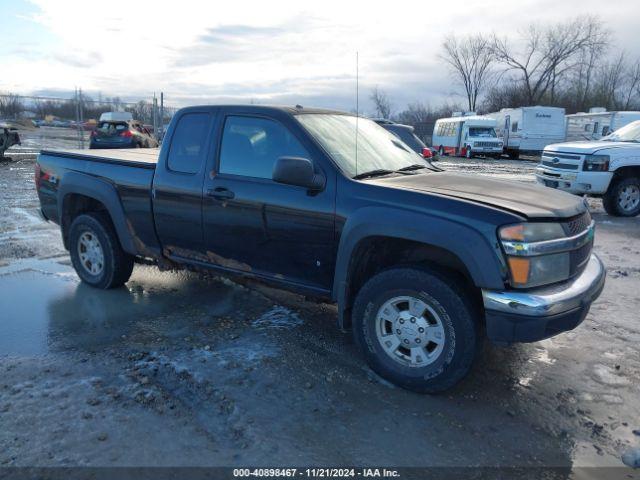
[263, 51]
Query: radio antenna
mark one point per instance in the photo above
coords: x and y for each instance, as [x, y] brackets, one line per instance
[357, 110]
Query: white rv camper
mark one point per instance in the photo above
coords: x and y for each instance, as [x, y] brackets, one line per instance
[597, 123]
[529, 129]
[466, 135]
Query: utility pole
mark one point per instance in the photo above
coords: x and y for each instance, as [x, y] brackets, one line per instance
[161, 135]
[154, 115]
[79, 123]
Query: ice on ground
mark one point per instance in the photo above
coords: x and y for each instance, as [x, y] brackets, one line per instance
[278, 317]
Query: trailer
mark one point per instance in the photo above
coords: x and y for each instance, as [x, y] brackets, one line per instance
[527, 130]
[597, 123]
[466, 135]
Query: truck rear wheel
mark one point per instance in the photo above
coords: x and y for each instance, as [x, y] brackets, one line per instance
[416, 328]
[96, 253]
[623, 197]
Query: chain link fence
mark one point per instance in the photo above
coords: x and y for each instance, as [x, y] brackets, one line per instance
[81, 112]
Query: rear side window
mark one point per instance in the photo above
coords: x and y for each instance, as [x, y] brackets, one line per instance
[251, 146]
[189, 144]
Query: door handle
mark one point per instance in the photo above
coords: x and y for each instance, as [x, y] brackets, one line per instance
[220, 193]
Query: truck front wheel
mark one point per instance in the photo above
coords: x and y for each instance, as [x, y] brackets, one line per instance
[623, 197]
[96, 253]
[416, 328]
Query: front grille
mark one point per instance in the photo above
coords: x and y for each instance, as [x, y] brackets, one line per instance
[579, 257]
[564, 166]
[576, 225]
[566, 156]
[486, 144]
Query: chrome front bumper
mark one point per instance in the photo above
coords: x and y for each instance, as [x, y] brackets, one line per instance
[531, 315]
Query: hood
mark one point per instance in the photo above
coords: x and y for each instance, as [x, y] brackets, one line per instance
[532, 201]
[587, 147]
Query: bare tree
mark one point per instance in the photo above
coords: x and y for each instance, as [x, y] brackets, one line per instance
[633, 84]
[548, 53]
[10, 105]
[381, 102]
[470, 60]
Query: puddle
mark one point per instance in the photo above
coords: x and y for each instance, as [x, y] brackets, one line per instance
[46, 308]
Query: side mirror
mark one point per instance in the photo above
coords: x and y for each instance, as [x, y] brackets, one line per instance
[297, 171]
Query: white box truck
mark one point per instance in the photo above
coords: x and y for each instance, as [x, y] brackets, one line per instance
[527, 130]
[597, 123]
[467, 136]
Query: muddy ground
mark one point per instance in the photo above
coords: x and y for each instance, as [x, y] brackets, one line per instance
[179, 369]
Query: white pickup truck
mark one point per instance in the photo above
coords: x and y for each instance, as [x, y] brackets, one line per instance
[609, 168]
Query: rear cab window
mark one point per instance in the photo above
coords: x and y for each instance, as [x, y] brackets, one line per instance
[188, 148]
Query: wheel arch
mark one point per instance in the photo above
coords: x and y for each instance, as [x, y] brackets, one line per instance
[80, 193]
[369, 245]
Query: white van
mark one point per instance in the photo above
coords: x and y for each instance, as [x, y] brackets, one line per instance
[467, 136]
[596, 124]
[527, 130]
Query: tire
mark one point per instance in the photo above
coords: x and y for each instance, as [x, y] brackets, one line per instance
[514, 154]
[105, 266]
[448, 312]
[623, 197]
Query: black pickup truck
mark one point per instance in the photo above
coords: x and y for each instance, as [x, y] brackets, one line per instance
[422, 263]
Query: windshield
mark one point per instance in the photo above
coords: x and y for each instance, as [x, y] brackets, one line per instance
[628, 133]
[482, 132]
[378, 149]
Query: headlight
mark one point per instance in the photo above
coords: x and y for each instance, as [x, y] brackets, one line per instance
[596, 163]
[531, 232]
[529, 272]
[532, 256]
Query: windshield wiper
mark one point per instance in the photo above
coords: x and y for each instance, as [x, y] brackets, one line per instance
[415, 166]
[373, 173]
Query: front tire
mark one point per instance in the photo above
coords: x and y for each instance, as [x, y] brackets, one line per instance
[416, 328]
[96, 253]
[623, 197]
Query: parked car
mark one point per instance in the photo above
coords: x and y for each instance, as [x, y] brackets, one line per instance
[609, 168]
[467, 136]
[8, 137]
[528, 130]
[407, 135]
[121, 134]
[421, 262]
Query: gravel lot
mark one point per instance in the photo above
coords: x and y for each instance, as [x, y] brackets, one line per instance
[178, 369]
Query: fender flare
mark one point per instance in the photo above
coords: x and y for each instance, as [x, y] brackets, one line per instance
[469, 245]
[103, 192]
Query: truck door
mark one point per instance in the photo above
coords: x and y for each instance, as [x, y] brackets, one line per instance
[254, 224]
[177, 184]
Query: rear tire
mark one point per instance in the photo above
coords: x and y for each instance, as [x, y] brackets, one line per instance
[389, 316]
[96, 253]
[623, 197]
[513, 154]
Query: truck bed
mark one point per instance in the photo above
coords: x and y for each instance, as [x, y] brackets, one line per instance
[137, 157]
